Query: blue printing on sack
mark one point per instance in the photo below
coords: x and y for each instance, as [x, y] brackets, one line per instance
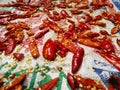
[105, 74]
[116, 3]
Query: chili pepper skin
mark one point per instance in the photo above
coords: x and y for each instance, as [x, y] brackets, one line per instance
[77, 60]
[49, 85]
[40, 34]
[34, 49]
[11, 44]
[83, 26]
[71, 81]
[64, 14]
[18, 56]
[49, 49]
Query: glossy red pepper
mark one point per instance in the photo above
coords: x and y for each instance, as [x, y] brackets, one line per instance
[98, 17]
[40, 34]
[76, 11]
[71, 81]
[49, 85]
[77, 60]
[104, 32]
[64, 14]
[18, 56]
[10, 46]
[82, 26]
[49, 50]
[34, 49]
[115, 29]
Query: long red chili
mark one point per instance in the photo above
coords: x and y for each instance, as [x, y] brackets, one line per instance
[77, 59]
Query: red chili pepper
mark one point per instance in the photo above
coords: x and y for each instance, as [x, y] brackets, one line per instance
[76, 11]
[10, 46]
[40, 34]
[71, 27]
[112, 58]
[102, 24]
[98, 17]
[83, 26]
[118, 42]
[77, 59]
[89, 42]
[52, 25]
[115, 29]
[34, 49]
[49, 49]
[64, 14]
[88, 17]
[107, 46]
[18, 56]
[84, 82]
[71, 46]
[62, 50]
[71, 81]
[83, 7]
[49, 85]
[19, 36]
[104, 32]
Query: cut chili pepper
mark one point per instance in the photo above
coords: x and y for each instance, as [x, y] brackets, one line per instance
[34, 49]
[49, 85]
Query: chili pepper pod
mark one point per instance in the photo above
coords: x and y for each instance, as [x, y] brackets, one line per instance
[34, 49]
[10, 45]
[71, 81]
[77, 60]
[49, 50]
